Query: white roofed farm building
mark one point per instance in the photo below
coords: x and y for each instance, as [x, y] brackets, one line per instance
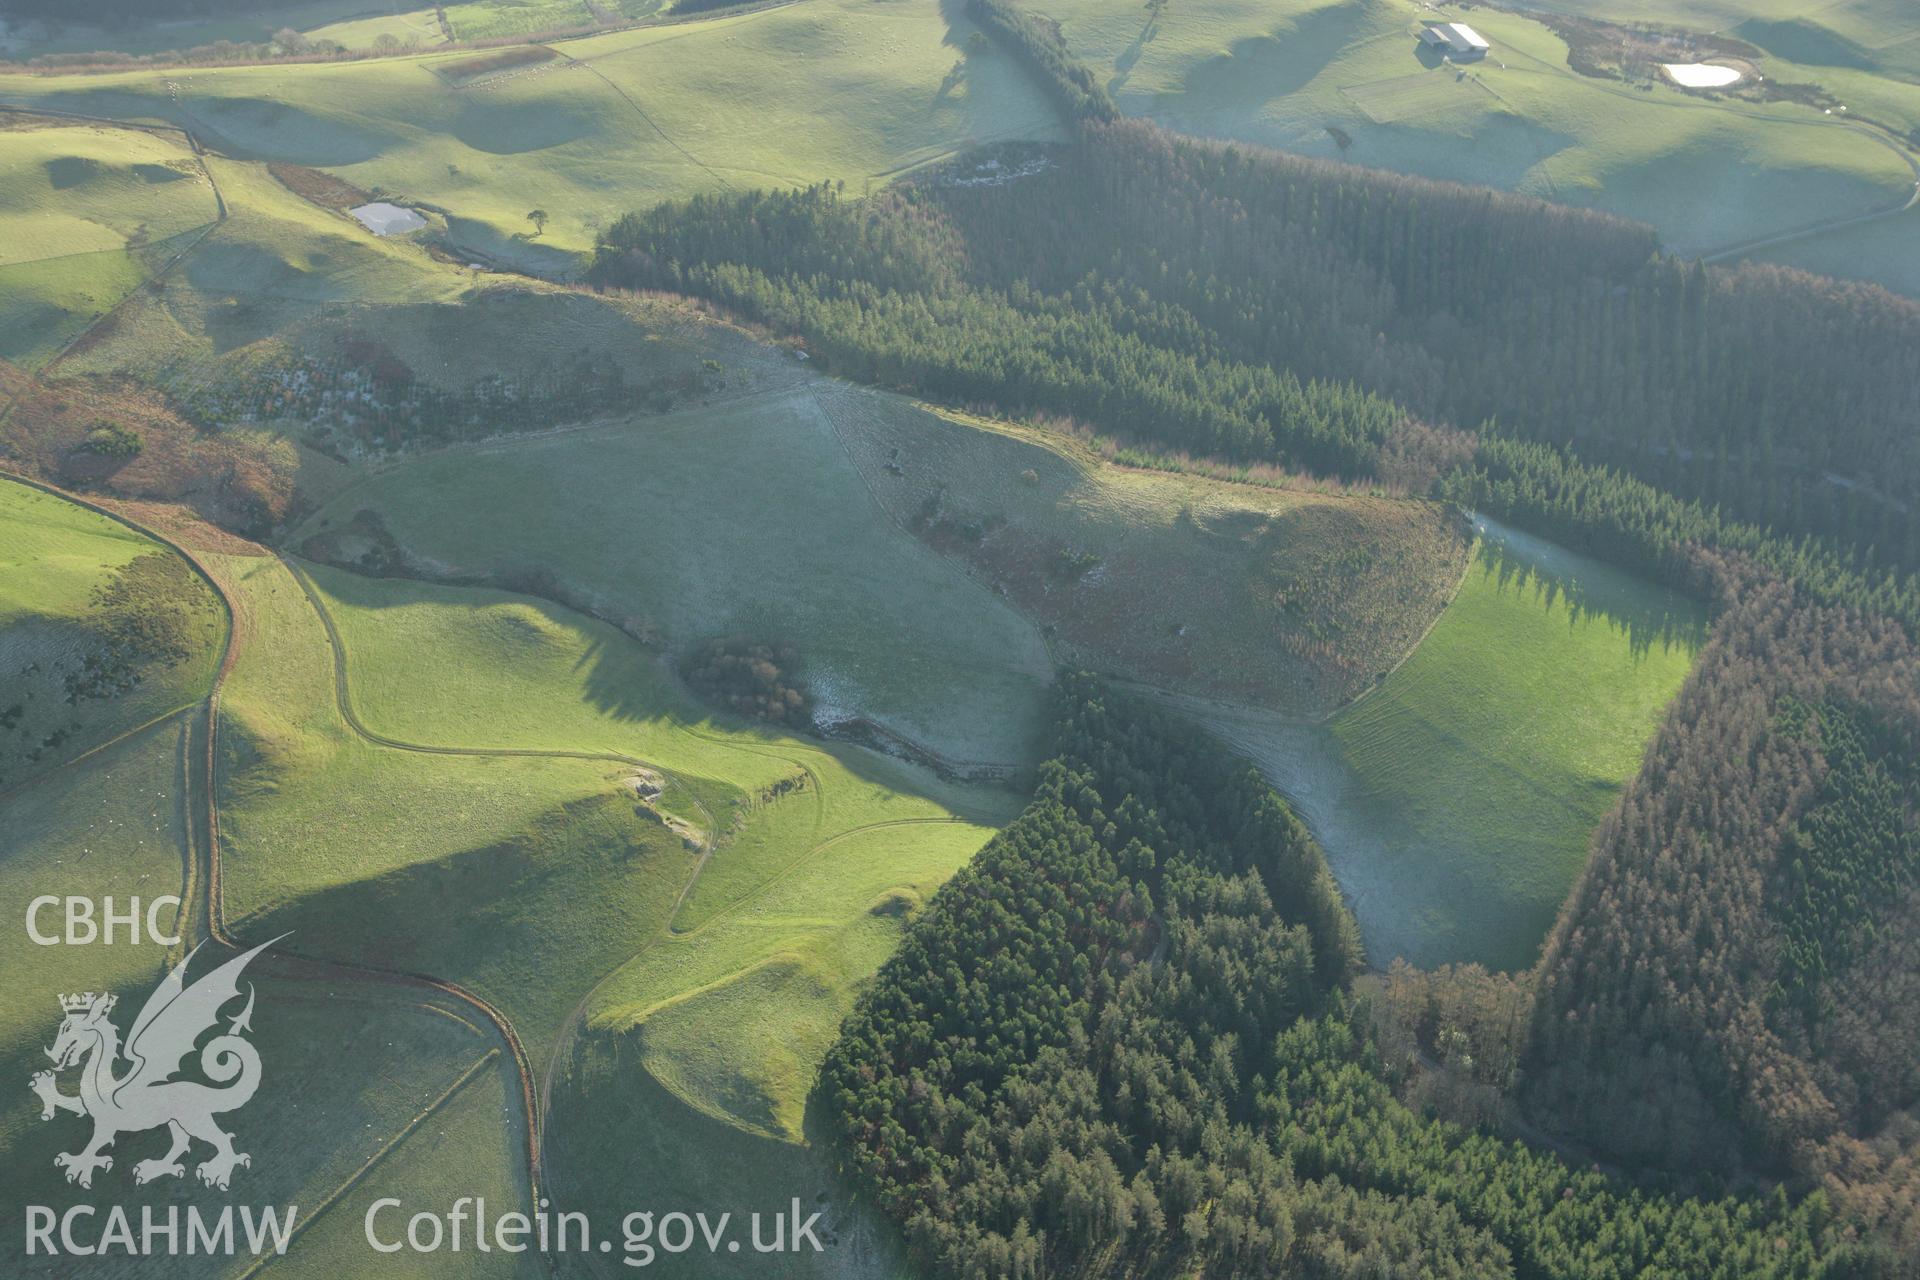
[1457, 38]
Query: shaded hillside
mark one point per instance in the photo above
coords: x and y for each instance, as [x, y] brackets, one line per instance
[110, 11]
[102, 630]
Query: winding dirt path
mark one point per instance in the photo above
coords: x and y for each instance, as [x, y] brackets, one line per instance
[205, 904]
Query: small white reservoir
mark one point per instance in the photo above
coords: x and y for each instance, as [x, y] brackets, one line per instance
[385, 219]
[1701, 75]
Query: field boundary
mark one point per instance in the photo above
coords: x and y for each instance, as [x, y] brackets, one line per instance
[151, 278]
[1699, 103]
[359, 1175]
[205, 898]
[1432, 83]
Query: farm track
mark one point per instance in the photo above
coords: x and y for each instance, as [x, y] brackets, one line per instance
[203, 897]
[575, 64]
[668, 934]
[204, 901]
[359, 1175]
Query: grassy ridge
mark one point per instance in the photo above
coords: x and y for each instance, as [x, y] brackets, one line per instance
[80, 189]
[954, 551]
[275, 259]
[76, 667]
[358, 1066]
[743, 518]
[628, 117]
[1292, 600]
[86, 214]
[531, 879]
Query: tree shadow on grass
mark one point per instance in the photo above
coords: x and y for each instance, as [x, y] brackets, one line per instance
[1652, 616]
[1258, 69]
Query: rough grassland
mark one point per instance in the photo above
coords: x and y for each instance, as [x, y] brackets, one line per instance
[1707, 174]
[86, 214]
[81, 189]
[837, 89]
[513, 673]
[188, 32]
[745, 518]
[409, 26]
[275, 258]
[402, 859]
[113, 824]
[468, 1147]
[778, 517]
[53, 556]
[1455, 803]
[1294, 600]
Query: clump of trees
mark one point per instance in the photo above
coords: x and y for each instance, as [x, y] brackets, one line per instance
[110, 440]
[1121, 1043]
[365, 399]
[751, 678]
[1038, 42]
[1734, 982]
[146, 615]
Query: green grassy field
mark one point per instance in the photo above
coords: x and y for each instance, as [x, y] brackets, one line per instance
[459, 780]
[113, 824]
[32, 39]
[274, 259]
[349, 24]
[467, 1147]
[361, 1066]
[745, 518]
[1707, 173]
[833, 90]
[1840, 253]
[63, 690]
[489, 856]
[409, 27]
[1456, 802]
[86, 214]
[857, 93]
[791, 517]
[81, 189]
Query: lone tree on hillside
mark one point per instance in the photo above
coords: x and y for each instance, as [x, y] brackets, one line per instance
[538, 218]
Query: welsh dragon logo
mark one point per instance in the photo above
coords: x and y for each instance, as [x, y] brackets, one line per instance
[146, 1095]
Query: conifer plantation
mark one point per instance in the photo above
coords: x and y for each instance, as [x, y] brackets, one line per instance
[1342, 321]
[1122, 1043]
[1728, 997]
[809, 641]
